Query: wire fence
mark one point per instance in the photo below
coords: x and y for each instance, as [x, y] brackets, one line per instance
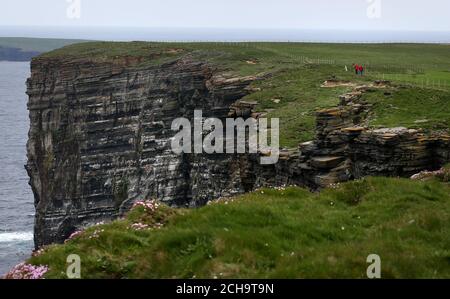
[421, 82]
[412, 74]
[405, 74]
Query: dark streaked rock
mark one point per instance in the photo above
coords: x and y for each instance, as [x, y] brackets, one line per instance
[100, 139]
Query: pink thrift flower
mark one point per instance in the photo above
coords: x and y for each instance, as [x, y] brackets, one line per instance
[26, 271]
[149, 205]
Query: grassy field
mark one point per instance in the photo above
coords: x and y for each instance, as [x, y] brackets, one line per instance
[411, 107]
[420, 76]
[388, 58]
[285, 233]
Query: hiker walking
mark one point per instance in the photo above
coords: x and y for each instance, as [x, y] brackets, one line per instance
[361, 70]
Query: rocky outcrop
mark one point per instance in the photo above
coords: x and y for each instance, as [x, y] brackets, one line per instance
[100, 139]
[345, 148]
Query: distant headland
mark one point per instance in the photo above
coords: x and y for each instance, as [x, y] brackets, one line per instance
[24, 49]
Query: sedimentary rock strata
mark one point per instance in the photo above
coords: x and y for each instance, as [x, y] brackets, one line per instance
[346, 149]
[100, 139]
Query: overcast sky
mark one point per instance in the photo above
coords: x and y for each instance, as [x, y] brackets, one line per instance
[433, 15]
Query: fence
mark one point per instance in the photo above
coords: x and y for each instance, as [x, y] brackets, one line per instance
[406, 74]
[414, 75]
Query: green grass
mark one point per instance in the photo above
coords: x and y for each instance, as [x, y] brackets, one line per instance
[289, 233]
[432, 79]
[296, 84]
[294, 95]
[276, 56]
[411, 107]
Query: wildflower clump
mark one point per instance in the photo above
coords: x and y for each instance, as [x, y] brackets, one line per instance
[38, 252]
[96, 233]
[142, 226]
[224, 201]
[281, 188]
[27, 271]
[148, 215]
[148, 205]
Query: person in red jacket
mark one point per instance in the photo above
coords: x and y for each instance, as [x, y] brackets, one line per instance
[361, 70]
[356, 68]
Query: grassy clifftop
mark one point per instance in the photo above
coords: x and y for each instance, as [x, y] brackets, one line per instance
[420, 74]
[395, 56]
[284, 233]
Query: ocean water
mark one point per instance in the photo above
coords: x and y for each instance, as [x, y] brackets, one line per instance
[16, 197]
[227, 35]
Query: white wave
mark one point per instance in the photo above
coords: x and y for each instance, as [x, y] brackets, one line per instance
[16, 236]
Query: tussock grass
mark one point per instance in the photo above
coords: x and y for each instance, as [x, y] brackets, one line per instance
[287, 233]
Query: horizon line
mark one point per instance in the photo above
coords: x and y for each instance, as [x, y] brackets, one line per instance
[223, 28]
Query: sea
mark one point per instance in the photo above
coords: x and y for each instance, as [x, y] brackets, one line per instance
[16, 197]
[227, 34]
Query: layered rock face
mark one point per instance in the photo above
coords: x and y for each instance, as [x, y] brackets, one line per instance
[100, 139]
[346, 149]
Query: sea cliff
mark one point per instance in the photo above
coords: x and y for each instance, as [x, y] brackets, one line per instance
[101, 129]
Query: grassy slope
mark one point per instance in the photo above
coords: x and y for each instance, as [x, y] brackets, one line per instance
[35, 44]
[411, 107]
[288, 233]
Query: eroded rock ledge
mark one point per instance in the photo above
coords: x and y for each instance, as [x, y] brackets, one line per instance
[345, 148]
[100, 139]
